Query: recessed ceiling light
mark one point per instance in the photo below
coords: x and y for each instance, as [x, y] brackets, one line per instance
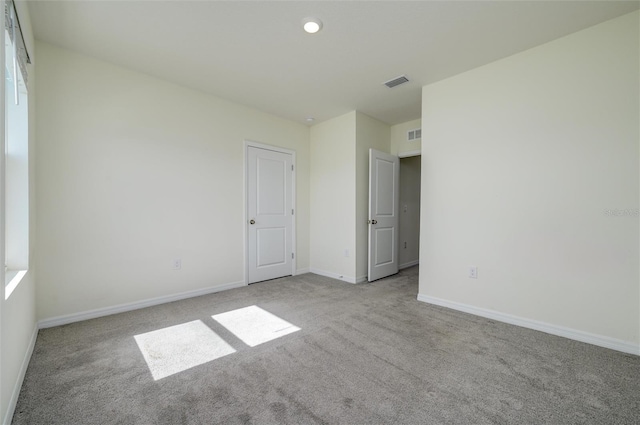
[310, 119]
[312, 25]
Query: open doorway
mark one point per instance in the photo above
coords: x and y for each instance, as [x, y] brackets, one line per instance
[409, 217]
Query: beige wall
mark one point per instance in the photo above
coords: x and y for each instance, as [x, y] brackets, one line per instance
[18, 312]
[333, 200]
[530, 173]
[409, 223]
[524, 161]
[399, 143]
[370, 134]
[340, 193]
[134, 172]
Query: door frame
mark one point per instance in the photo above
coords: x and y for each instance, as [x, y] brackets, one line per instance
[253, 144]
[404, 155]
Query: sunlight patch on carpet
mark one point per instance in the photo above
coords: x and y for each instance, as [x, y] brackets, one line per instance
[177, 348]
[254, 325]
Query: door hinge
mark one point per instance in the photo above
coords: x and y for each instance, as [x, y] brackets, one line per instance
[291, 167]
[291, 211]
[292, 256]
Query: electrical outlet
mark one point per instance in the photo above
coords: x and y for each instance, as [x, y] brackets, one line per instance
[473, 272]
[176, 264]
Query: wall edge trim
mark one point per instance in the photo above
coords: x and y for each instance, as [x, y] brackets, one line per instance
[408, 264]
[574, 334]
[121, 308]
[344, 278]
[11, 408]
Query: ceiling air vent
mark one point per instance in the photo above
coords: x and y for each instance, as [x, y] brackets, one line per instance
[396, 81]
[414, 134]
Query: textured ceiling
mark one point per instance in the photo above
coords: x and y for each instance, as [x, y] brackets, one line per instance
[256, 54]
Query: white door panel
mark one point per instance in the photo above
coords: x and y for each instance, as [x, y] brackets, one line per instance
[271, 184]
[271, 245]
[270, 214]
[384, 204]
[384, 252]
[384, 195]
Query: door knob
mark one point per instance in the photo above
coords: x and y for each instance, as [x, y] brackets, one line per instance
[374, 221]
[252, 221]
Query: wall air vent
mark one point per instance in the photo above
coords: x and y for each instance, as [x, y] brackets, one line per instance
[396, 81]
[414, 134]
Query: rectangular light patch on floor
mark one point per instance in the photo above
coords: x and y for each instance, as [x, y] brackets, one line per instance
[178, 348]
[254, 325]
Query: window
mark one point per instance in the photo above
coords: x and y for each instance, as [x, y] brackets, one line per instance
[16, 170]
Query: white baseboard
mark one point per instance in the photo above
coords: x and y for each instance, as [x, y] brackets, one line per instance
[409, 264]
[121, 308]
[361, 279]
[349, 279]
[11, 408]
[589, 338]
[301, 271]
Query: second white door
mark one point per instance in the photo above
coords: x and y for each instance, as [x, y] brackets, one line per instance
[384, 191]
[270, 214]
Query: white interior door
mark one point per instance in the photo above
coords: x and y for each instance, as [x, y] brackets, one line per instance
[270, 214]
[384, 195]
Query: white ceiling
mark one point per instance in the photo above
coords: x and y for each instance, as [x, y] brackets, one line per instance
[255, 52]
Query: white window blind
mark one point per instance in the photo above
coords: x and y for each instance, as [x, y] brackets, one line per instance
[20, 54]
[16, 152]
